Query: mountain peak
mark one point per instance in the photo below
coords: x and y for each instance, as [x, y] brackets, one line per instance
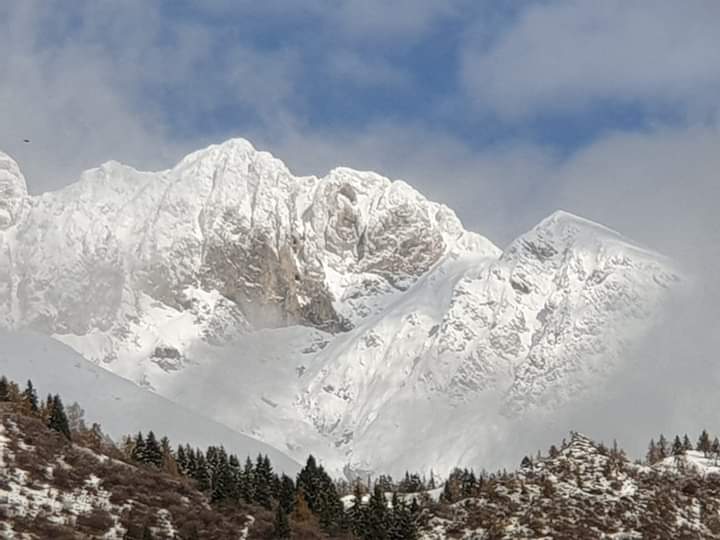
[232, 151]
[564, 220]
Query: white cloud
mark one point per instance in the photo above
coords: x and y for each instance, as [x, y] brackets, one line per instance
[564, 55]
[366, 70]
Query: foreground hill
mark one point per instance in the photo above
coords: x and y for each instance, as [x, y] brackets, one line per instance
[585, 490]
[347, 316]
[87, 487]
[51, 488]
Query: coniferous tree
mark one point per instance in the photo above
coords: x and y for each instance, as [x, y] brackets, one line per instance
[137, 453]
[663, 447]
[704, 444]
[414, 507]
[677, 447]
[47, 408]
[321, 494]
[4, 389]
[281, 526]
[202, 473]
[356, 512]
[247, 482]
[687, 445]
[715, 448]
[377, 516]
[58, 419]
[286, 496]
[30, 397]
[153, 452]
[222, 482]
[211, 458]
[235, 476]
[403, 521]
[181, 460]
[191, 459]
[262, 483]
[652, 453]
[169, 463]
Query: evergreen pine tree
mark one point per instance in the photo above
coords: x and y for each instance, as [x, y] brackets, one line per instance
[181, 460]
[286, 496]
[281, 527]
[663, 447]
[247, 483]
[704, 444]
[687, 445]
[715, 448]
[677, 447]
[30, 397]
[309, 483]
[222, 484]
[262, 483]
[321, 495]
[377, 516]
[403, 525]
[153, 452]
[202, 473]
[191, 459]
[4, 389]
[138, 450]
[356, 513]
[235, 475]
[169, 463]
[652, 453]
[48, 407]
[58, 420]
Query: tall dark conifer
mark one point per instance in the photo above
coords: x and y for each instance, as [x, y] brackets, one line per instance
[58, 420]
[202, 473]
[247, 482]
[378, 523]
[30, 397]
[286, 496]
[138, 449]
[153, 452]
[222, 482]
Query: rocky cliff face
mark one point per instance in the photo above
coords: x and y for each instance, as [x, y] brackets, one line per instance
[228, 219]
[344, 308]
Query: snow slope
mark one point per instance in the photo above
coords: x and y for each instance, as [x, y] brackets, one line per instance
[120, 406]
[346, 315]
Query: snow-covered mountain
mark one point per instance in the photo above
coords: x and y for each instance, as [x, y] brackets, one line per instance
[345, 315]
[118, 405]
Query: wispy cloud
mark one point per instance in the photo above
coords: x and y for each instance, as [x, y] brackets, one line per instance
[562, 56]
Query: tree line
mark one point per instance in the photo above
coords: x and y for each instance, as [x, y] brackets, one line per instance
[311, 500]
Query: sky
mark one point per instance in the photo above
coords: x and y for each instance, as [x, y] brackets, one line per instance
[504, 111]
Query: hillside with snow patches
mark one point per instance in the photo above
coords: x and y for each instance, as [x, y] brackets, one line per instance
[346, 315]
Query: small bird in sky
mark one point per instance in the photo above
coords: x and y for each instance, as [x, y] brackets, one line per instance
[26, 140]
